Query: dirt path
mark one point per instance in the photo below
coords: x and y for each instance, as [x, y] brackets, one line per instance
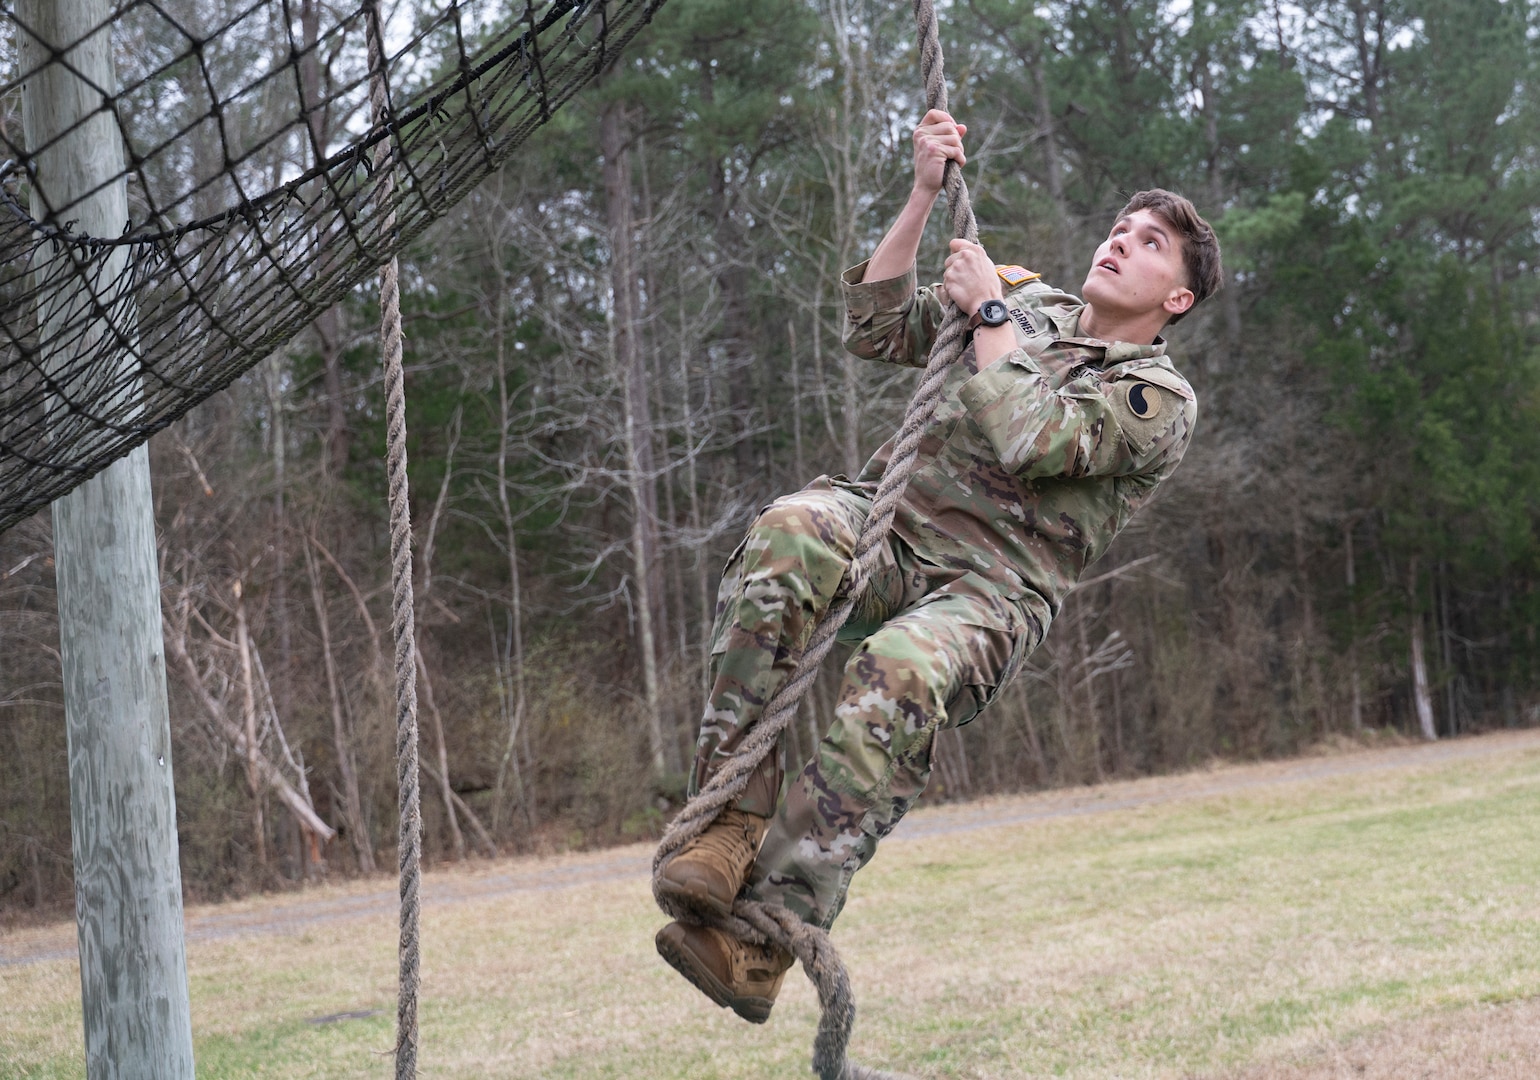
[483, 880]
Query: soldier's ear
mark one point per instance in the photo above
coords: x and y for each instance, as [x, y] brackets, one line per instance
[1178, 302]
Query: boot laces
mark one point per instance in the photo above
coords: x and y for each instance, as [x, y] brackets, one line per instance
[761, 962]
[731, 836]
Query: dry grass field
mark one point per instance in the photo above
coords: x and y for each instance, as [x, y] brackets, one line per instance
[1361, 914]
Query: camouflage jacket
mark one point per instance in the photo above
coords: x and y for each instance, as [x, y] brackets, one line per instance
[1029, 468]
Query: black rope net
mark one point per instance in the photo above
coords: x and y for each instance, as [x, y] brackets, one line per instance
[252, 174]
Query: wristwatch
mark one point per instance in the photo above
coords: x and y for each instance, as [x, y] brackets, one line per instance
[990, 313]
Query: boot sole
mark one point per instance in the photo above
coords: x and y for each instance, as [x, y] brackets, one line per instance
[677, 953]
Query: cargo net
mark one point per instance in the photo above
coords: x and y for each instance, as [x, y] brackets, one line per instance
[241, 176]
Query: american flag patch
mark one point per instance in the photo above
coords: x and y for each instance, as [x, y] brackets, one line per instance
[1015, 275]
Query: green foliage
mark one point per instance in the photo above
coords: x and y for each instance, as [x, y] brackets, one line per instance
[1390, 258]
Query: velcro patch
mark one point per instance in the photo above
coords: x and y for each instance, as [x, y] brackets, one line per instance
[1168, 379]
[1015, 275]
[1024, 321]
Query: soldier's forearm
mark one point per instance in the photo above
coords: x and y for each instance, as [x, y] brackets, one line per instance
[895, 254]
[990, 343]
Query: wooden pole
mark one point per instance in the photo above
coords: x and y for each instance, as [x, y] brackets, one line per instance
[128, 886]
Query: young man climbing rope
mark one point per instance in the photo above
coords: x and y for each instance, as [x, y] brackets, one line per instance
[1059, 421]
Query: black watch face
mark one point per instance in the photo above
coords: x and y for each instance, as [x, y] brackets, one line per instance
[994, 312]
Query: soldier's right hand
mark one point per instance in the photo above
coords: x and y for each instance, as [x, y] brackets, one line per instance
[937, 140]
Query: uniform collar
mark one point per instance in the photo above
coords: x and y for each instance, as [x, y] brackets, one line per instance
[1066, 323]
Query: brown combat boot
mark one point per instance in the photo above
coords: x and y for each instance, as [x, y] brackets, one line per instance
[707, 873]
[735, 975]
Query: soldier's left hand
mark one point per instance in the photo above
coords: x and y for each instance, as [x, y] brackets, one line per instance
[970, 277]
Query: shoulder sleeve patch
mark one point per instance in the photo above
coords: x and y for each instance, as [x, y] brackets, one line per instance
[1144, 410]
[1016, 275]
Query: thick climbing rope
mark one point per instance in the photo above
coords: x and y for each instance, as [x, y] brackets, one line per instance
[409, 842]
[752, 921]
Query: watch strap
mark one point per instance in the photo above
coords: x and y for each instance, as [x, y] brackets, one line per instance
[976, 320]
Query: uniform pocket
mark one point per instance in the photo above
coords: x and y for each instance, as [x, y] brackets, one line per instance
[1006, 633]
[983, 684]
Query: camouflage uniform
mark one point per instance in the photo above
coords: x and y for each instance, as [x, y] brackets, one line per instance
[1026, 473]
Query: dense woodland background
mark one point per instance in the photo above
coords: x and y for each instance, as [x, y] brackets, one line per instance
[630, 339]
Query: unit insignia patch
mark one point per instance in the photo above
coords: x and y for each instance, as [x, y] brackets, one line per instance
[1143, 400]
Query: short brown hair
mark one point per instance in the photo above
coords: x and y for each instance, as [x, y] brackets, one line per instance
[1200, 247]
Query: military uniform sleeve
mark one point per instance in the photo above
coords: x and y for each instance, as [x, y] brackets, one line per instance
[891, 320]
[1091, 426]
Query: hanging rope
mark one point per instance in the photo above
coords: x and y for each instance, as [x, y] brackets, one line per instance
[409, 843]
[753, 921]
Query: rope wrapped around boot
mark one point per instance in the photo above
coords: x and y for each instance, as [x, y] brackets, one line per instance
[752, 921]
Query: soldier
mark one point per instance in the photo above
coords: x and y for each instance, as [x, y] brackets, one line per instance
[1059, 421]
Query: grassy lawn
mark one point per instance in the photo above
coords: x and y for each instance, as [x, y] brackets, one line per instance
[1246, 933]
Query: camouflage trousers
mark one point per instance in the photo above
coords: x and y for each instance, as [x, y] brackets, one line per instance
[935, 646]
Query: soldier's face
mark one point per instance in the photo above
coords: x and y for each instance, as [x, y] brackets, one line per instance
[1138, 269]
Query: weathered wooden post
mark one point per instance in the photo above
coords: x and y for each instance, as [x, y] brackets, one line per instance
[128, 886]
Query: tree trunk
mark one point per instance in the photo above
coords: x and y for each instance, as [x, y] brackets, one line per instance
[1092, 718]
[674, 610]
[273, 372]
[797, 462]
[820, 377]
[337, 437]
[614, 139]
[1356, 702]
[734, 284]
[511, 682]
[1312, 661]
[1059, 265]
[1446, 650]
[430, 534]
[1421, 696]
[1229, 303]
[1370, 59]
[456, 838]
[342, 743]
[1424, 699]
[692, 477]
[128, 885]
[1053, 165]
[249, 725]
[848, 189]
